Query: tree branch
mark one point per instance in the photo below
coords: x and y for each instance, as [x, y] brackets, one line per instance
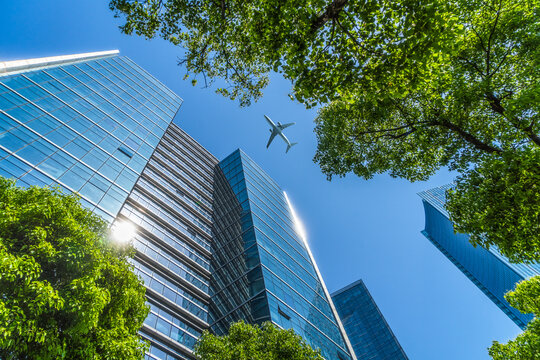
[331, 12]
[497, 107]
[477, 143]
[355, 40]
[471, 64]
[392, 129]
[402, 135]
[222, 4]
[479, 38]
[492, 32]
[502, 61]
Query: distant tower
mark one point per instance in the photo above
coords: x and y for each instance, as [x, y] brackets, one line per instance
[369, 333]
[487, 269]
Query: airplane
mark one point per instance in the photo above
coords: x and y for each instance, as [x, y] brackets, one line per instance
[278, 130]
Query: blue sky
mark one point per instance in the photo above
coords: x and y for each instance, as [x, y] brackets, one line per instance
[356, 228]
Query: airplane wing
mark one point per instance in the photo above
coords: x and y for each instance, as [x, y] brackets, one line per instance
[269, 121]
[272, 136]
[281, 127]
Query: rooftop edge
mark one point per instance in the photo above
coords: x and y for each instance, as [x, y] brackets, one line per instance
[19, 66]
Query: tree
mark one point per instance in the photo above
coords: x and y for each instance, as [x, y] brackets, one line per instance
[406, 87]
[527, 344]
[252, 342]
[328, 49]
[476, 112]
[501, 197]
[65, 291]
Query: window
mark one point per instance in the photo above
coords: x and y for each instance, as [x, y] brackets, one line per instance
[180, 192]
[125, 151]
[282, 313]
[191, 231]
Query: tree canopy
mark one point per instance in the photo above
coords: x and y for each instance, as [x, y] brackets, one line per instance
[478, 97]
[501, 198]
[328, 49]
[252, 342]
[65, 291]
[527, 344]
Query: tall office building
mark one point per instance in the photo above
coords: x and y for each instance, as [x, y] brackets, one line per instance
[215, 242]
[488, 269]
[370, 335]
[263, 268]
[88, 123]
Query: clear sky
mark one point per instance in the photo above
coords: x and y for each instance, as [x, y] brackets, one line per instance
[356, 228]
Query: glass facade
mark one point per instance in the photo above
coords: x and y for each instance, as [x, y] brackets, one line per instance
[369, 333]
[171, 207]
[215, 242]
[93, 126]
[262, 269]
[86, 126]
[487, 269]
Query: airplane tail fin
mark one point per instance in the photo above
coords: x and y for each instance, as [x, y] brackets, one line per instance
[289, 147]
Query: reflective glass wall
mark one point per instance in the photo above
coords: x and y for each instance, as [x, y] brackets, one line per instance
[487, 269]
[369, 333]
[260, 257]
[87, 126]
[215, 244]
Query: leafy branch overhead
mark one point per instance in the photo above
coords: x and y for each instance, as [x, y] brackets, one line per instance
[424, 84]
[500, 198]
[478, 96]
[329, 50]
[405, 87]
[526, 345]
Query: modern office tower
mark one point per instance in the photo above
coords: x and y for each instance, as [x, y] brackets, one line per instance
[215, 242]
[88, 123]
[487, 269]
[262, 267]
[369, 333]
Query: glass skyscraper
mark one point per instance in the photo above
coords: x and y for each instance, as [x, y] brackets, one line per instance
[263, 268]
[487, 269]
[370, 335]
[88, 123]
[215, 242]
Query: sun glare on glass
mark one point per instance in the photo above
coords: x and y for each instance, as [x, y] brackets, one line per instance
[299, 226]
[123, 231]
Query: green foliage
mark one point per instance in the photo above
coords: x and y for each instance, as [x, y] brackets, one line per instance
[327, 50]
[474, 110]
[527, 344]
[65, 292]
[477, 95]
[252, 342]
[498, 202]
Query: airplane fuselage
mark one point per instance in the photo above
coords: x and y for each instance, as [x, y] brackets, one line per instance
[278, 130]
[280, 133]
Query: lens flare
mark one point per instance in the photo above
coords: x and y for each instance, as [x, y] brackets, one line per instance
[123, 231]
